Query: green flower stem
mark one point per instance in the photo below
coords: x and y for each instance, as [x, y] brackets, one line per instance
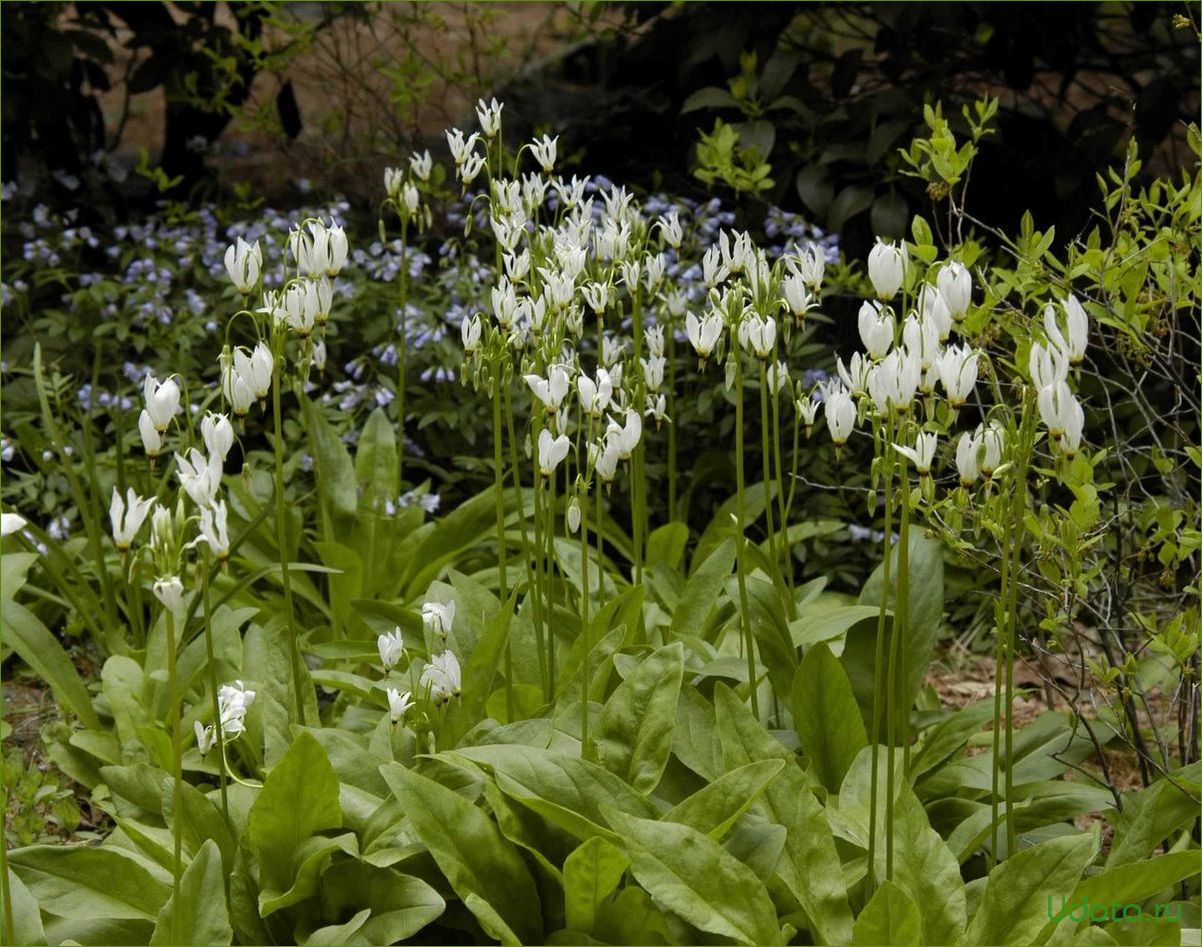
[783, 544]
[638, 473]
[515, 473]
[584, 629]
[9, 935]
[502, 551]
[740, 535]
[792, 467]
[901, 617]
[896, 668]
[766, 462]
[999, 658]
[402, 344]
[670, 331]
[548, 579]
[537, 551]
[879, 670]
[282, 536]
[203, 571]
[177, 772]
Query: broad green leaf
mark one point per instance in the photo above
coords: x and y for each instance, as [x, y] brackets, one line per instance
[299, 799]
[14, 569]
[333, 468]
[695, 739]
[468, 524]
[336, 935]
[27, 919]
[714, 808]
[39, 649]
[666, 544]
[635, 731]
[692, 875]
[926, 869]
[470, 850]
[400, 905]
[565, 789]
[141, 784]
[1151, 814]
[310, 860]
[925, 615]
[197, 914]
[375, 457]
[829, 624]
[702, 590]
[1013, 908]
[202, 821]
[810, 866]
[481, 667]
[826, 716]
[946, 738]
[890, 917]
[590, 875]
[83, 882]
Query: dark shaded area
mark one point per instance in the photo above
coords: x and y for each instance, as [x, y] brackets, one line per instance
[836, 89]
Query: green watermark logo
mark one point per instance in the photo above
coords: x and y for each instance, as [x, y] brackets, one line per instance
[1099, 912]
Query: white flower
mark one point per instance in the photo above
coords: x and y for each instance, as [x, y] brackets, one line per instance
[595, 396]
[391, 646]
[1057, 407]
[438, 617]
[840, 413]
[214, 529]
[206, 737]
[796, 294]
[894, 381]
[152, 441]
[218, 434]
[653, 371]
[421, 165]
[1074, 428]
[654, 338]
[957, 368]
[992, 438]
[398, 704]
[968, 458]
[199, 476]
[713, 270]
[670, 229]
[461, 148]
[922, 338]
[233, 700]
[550, 390]
[517, 265]
[489, 114]
[470, 168]
[657, 408]
[13, 522]
[855, 373]
[922, 453]
[1073, 344]
[299, 305]
[955, 286]
[470, 330]
[170, 591]
[127, 518]
[807, 409]
[887, 266]
[812, 266]
[573, 516]
[243, 263]
[442, 676]
[319, 354]
[876, 329]
[162, 401]
[933, 309]
[410, 198]
[544, 151]
[236, 386]
[551, 451]
[504, 302]
[394, 181]
[596, 295]
[703, 335]
[605, 459]
[778, 377]
[626, 436]
[1048, 366]
[258, 368]
[758, 334]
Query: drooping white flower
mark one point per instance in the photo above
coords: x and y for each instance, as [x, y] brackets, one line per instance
[244, 263]
[127, 516]
[627, 434]
[921, 337]
[811, 264]
[807, 409]
[162, 401]
[894, 381]
[233, 701]
[840, 412]
[461, 148]
[573, 516]
[993, 440]
[214, 529]
[421, 165]
[605, 459]
[876, 329]
[398, 704]
[299, 304]
[206, 737]
[11, 523]
[955, 286]
[1074, 429]
[596, 295]
[442, 676]
[922, 453]
[489, 114]
[796, 293]
[1057, 407]
[656, 408]
[391, 646]
[1073, 342]
[217, 433]
[703, 334]
[200, 476]
[236, 386]
[471, 331]
[670, 229]
[957, 368]
[1048, 365]
[968, 458]
[758, 334]
[438, 617]
[550, 390]
[170, 591]
[551, 451]
[152, 441]
[544, 150]
[319, 354]
[595, 396]
[933, 309]
[653, 371]
[887, 266]
[855, 373]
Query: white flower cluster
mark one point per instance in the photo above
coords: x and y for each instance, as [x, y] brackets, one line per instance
[233, 700]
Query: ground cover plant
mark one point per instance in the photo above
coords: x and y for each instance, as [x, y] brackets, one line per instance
[530, 617]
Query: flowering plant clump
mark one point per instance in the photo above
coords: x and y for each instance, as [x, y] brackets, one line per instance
[620, 663]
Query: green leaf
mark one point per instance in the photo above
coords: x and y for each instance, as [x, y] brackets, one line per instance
[197, 914]
[635, 730]
[692, 875]
[468, 524]
[375, 458]
[853, 199]
[335, 935]
[1013, 908]
[832, 624]
[333, 468]
[27, 919]
[567, 790]
[714, 808]
[400, 905]
[590, 875]
[826, 716]
[810, 865]
[890, 917]
[702, 590]
[481, 668]
[83, 882]
[1151, 814]
[471, 851]
[666, 544]
[39, 649]
[709, 97]
[299, 798]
